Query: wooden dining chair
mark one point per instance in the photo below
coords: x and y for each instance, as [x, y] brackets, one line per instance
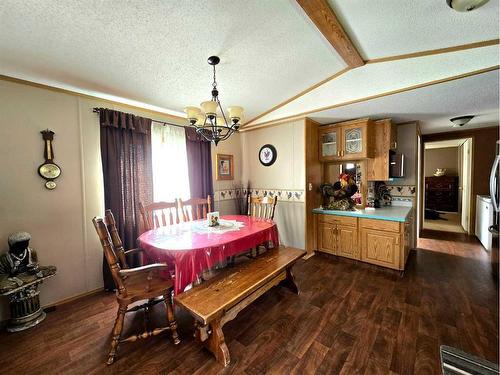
[262, 207]
[133, 285]
[195, 208]
[159, 214]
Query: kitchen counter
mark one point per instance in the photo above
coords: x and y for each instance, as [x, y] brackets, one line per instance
[389, 213]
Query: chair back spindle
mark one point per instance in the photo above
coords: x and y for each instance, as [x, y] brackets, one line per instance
[109, 253]
[262, 207]
[159, 214]
[195, 208]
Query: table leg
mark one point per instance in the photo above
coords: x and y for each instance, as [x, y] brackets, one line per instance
[213, 339]
[290, 282]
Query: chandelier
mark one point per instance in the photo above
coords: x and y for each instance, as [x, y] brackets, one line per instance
[210, 121]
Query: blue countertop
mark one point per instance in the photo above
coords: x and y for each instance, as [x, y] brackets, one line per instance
[390, 213]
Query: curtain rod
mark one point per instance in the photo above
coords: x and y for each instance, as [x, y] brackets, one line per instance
[98, 110]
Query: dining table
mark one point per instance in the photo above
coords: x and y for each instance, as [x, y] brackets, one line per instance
[192, 247]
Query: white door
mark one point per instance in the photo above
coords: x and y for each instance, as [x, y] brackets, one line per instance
[466, 183]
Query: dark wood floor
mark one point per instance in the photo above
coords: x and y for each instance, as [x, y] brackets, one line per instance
[350, 319]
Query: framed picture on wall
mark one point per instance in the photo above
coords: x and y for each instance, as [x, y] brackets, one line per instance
[225, 167]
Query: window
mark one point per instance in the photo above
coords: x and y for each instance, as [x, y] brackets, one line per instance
[170, 166]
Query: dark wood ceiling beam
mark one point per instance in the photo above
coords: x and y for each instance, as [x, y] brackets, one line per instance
[323, 16]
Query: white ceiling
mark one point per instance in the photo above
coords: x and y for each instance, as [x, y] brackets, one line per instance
[381, 28]
[155, 51]
[432, 106]
[374, 79]
[153, 54]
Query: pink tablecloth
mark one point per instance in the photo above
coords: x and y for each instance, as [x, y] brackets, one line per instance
[191, 249]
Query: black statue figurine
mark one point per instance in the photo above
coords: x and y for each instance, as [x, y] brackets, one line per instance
[20, 257]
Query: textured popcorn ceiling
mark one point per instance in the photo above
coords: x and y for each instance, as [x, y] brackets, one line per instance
[432, 106]
[153, 54]
[381, 28]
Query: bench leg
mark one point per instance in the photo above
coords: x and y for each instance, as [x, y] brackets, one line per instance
[213, 339]
[289, 281]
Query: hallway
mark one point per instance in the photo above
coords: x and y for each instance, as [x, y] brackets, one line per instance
[458, 244]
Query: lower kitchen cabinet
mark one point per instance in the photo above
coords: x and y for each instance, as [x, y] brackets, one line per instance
[380, 248]
[347, 242]
[380, 242]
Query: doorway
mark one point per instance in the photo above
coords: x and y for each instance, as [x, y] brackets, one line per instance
[447, 181]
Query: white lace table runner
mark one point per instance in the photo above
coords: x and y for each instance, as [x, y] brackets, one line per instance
[223, 227]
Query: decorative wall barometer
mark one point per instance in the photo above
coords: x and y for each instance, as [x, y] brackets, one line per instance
[49, 170]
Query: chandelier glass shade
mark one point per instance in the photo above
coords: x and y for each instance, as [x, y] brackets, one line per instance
[210, 121]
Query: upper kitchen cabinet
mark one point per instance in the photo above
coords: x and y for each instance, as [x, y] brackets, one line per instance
[385, 134]
[349, 140]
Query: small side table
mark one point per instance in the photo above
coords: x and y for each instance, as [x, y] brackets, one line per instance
[24, 298]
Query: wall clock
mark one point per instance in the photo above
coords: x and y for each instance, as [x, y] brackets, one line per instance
[267, 155]
[49, 170]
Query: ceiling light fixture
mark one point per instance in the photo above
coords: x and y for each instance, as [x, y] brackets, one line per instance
[210, 121]
[461, 120]
[465, 5]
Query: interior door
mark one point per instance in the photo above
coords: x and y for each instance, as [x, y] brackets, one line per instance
[466, 183]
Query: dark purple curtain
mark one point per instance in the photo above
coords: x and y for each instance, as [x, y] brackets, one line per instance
[128, 174]
[199, 156]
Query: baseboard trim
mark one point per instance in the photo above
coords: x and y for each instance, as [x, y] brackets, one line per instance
[73, 298]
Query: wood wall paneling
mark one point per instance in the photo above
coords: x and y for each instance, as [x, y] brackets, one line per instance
[314, 177]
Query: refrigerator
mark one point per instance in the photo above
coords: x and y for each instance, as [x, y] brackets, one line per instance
[495, 203]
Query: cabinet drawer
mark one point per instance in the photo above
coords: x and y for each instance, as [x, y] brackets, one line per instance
[390, 226]
[341, 220]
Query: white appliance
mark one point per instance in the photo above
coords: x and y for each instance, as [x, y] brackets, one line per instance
[484, 219]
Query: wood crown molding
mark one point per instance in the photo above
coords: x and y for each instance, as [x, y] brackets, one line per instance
[462, 47]
[336, 75]
[87, 96]
[323, 16]
[364, 99]
[438, 51]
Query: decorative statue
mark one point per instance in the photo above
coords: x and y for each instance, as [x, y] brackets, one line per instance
[20, 276]
[20, 257]
[339, 195]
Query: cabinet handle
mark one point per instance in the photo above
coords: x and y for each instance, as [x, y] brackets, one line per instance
[338, 153]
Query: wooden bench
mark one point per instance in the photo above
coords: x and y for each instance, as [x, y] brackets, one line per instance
[219, 300]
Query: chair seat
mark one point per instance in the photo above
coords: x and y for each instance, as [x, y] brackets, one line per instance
[139, 289]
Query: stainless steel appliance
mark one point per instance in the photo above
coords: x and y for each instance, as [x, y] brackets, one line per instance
[495, 202]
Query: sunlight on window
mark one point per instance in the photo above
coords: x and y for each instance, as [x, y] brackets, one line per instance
[170, 166]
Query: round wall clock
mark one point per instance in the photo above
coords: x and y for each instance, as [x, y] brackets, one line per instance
[267, 155]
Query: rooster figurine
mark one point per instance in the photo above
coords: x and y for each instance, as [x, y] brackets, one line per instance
[338, 196]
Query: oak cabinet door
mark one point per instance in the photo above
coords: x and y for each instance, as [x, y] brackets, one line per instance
[380, 248]
[347, 242]
[326, 237]
[329, 144]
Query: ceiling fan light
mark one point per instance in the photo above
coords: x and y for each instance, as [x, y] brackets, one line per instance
[465, 5]
[461, 120]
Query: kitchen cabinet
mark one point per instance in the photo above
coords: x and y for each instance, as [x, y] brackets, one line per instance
[349, 140]
[377, 168]
[330, 143]
[338, 235]
[384, 243]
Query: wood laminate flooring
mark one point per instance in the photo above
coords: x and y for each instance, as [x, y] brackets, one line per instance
[461, 245]
[351, 318]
